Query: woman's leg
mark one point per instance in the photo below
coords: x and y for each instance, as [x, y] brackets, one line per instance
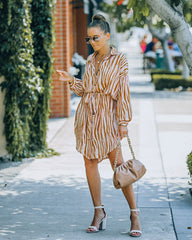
[94, 182]
[128, 192]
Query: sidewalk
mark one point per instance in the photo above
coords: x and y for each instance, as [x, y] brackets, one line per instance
[49, 199]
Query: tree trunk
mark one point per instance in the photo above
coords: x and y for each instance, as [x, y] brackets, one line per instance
[186, 72]
[174, 18]
[167, 57]
[163, 38]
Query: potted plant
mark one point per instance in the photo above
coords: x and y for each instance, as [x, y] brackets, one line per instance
[189, 165]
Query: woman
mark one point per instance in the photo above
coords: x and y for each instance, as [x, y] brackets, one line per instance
[102, 116]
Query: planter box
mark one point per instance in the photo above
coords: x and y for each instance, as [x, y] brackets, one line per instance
[3, 151]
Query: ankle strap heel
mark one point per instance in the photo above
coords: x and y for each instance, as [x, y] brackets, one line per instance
[135, 210]
[102, 223]
[99, 207]
[135, 232]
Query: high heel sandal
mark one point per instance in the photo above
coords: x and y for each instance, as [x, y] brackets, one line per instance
[102, 224]
[133, 232]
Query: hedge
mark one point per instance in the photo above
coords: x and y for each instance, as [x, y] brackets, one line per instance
[189, 165]
[42, 26]
[27, 79]
[163, 71]
[166, 81]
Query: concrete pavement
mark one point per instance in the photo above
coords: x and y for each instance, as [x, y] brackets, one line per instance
[49, 198]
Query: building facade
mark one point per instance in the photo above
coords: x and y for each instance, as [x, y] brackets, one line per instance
[71, 20]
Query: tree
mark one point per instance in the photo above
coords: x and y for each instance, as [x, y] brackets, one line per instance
[126, 21]
[172, 12]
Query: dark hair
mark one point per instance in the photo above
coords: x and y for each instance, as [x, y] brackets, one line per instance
[100, 21]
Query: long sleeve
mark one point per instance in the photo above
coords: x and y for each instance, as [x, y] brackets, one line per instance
[124, 111]
[77, 86]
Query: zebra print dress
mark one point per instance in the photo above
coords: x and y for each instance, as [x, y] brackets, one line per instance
[105, 103]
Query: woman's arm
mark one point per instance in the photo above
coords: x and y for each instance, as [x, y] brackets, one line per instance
[124, 111]
[76, 85]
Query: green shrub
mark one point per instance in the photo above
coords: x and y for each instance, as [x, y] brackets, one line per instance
[22, 83]
[42, 26]
[164, 71]
[189, 165]
[155, 72]
[170, 81]
[27, 75]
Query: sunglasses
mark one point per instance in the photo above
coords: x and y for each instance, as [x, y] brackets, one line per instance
[94, 38]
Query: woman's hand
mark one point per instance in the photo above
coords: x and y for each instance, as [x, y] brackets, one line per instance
[64, 76]
[123, 131]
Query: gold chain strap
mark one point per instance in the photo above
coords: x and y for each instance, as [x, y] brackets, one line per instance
[118, 148]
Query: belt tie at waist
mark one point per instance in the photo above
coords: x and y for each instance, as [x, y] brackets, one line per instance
[90, 101]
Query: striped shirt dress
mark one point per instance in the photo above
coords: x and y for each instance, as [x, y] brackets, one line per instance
[105, 103]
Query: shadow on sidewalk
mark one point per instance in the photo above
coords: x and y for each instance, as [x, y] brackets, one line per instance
[59, 207]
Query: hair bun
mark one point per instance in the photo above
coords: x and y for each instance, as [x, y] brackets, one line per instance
[98, 17]
[99, 20]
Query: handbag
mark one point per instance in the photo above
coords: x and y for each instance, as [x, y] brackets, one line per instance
[129, 171]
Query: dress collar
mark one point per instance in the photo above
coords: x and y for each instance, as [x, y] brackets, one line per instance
[112, 53]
